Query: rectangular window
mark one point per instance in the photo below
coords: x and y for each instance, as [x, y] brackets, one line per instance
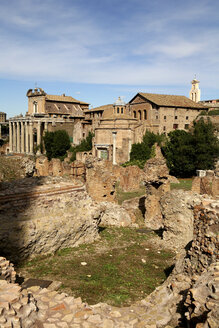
[176, 117]
[156, 117]
[186, 126]
[175, 126]
[164, 128]
[187, 117]
[165, 117]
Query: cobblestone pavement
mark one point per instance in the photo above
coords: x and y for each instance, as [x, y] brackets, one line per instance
[60, 311]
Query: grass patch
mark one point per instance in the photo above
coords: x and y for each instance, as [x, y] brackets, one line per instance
[122, 267]
[122, 195]
[185, 184]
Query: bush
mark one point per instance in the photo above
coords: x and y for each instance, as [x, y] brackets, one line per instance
[213, 112]
[85, 145]
[144, 150]
[56, 144]
[187, 152]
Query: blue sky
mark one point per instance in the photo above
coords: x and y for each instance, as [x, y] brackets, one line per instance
[97, 50]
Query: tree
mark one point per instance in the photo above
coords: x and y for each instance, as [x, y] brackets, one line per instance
[206, 145]
[56, 144]
[180, 153]
[187, 152]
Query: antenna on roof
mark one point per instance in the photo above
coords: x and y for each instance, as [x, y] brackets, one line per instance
[35, 85]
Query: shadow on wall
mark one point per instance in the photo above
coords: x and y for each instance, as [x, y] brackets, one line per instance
[16, 208]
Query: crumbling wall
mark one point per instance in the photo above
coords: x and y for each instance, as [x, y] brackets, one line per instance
[102, 178]
[39, 219]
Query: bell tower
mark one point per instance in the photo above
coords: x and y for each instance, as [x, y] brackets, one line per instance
[195, 93]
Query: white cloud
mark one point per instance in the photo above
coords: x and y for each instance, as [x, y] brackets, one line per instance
[44, 41]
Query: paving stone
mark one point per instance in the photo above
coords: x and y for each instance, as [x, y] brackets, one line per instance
[107, 323]
[68, 318]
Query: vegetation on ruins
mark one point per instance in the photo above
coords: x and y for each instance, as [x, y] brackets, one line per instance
[187, 152]
[144, 150]
[56, 144]
[122, 267]
[209, 113]
[85, 145]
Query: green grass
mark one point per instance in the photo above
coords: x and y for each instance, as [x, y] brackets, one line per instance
[115, 272]
[185, 184]
[122, 195]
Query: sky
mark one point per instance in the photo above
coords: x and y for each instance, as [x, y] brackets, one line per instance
[97, 50]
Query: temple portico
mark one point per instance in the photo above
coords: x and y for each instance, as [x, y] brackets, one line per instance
[22, 131]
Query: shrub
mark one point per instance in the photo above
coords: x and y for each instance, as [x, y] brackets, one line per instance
[186, 152]
[85, 145]
[56, 144]
[144, 150]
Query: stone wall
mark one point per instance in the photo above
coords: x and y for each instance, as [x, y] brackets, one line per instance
[206, 185]
[42, 218]
[177, 217]
[102, 178]
[7, 270]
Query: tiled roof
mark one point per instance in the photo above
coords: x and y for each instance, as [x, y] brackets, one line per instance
[67, 109]
[64, 99]
[100, 108]
[171, 100]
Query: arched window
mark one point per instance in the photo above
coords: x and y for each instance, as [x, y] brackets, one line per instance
[145, 114]
[117, 110]
[139, 115]
[122, 110]
[134, 113]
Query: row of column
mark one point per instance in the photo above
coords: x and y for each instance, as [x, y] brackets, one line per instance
[21, 136]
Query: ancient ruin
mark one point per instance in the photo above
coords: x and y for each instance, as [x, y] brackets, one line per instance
[61, 204]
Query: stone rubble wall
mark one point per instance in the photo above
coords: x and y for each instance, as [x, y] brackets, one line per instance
[177, 217]
[102, 178]
[7, 271]
[208, 185]
[18, 308]
[46, 219]
[202, 299]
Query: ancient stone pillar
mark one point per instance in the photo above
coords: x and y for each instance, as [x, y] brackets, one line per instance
[26, 138]
[38, 136]
[18, 138]
[31, 137]
[10, 138]
[14, 138]
[22, 137]
[114, 148]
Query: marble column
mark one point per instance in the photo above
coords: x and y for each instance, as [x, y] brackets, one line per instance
[38, 136]
[26, 138]
[31, 137]
[114, 148]
[10, 138]
[18, 138]
[22, 137]
[14, 138]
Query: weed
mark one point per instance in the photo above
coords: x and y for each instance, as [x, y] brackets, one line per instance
[114, 272]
